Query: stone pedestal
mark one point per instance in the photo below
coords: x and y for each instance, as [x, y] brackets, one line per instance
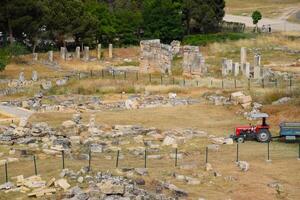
[63, 53]
[110, 51]
[50, 56]
[86, 54]
[99, 51]
[77, 53]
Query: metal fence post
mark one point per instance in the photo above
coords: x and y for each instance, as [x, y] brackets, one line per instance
[222, 84]
[102, 73]
[35, 168]
[234, 83]
[263, 83]
[268, 151]
[137, 76]
[237, 152]
[90, 159]
[63, 158]
[176, 152]
[145, 161]
[249, 83]
[290, 82]
[173, 81]
[161, 79]
[183, 81]
[150, 78]
[6, 172]
[206, 155]
[276, 83]
[117, 161]
[125, 75]
[91, 73]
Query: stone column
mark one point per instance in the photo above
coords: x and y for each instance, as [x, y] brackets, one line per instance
[247, 70]
[50, 56]
[86, 54]
[110, 51]
[34, 76]
[21, 77]
[224, 67]
[35, 56]
[236, 69]
[229, 66]
[63, 53]
[243, 55]
[99, 52]
[77, 53]
[257, 60]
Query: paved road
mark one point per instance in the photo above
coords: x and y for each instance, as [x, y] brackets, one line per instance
[276, 24]
[15, 111]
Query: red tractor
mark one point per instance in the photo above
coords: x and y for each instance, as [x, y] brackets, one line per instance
[259, 132]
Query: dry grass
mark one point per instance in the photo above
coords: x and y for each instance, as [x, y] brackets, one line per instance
[217, 120]
[268, 8]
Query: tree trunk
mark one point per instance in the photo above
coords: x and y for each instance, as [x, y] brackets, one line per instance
[11, 36]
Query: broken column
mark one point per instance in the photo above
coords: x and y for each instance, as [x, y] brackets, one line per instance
[229, 66]
[236, 69]
[257, 67]
[257, 60]
[63, 53]
[193, 61]
[77, 53]
[50, 56]
[86, 54]
[224, 67]
[21, 77]
[34, 76]
[99, 51]
[35, 56]
[247, 70]
[110, 51]
[243, 55]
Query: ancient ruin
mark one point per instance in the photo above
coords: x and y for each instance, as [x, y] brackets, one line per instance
[157, 57]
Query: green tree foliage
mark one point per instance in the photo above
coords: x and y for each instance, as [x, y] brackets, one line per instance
[205, 15]
[162, 19]
[256, 16]
[119, 21]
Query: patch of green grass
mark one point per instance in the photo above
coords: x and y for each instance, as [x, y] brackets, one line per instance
[204, 39]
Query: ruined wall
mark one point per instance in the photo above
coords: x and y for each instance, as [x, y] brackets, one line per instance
[157, 57]
[193, 61]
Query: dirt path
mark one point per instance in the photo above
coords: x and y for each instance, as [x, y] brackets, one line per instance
[276, 24]
[15, 111]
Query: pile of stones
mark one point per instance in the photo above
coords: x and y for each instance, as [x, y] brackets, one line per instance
[83, 103]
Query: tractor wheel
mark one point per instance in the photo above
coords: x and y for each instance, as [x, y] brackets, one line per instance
[240, 140]
[263, 135]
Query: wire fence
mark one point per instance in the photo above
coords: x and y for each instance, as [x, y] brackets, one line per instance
[169, 158]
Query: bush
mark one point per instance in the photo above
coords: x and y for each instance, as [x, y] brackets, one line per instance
[204, 39]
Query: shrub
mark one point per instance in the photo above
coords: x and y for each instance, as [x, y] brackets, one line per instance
[204, 39]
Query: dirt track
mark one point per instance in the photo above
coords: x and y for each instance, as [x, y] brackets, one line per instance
[276, 24]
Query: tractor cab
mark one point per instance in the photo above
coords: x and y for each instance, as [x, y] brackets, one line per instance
[258, 132]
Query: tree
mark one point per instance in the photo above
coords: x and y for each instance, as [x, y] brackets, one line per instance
[105, 25]
[15, 16]
[163, 19]
[256, 16]
[4, 58]
[205, 15]
[68, 18]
